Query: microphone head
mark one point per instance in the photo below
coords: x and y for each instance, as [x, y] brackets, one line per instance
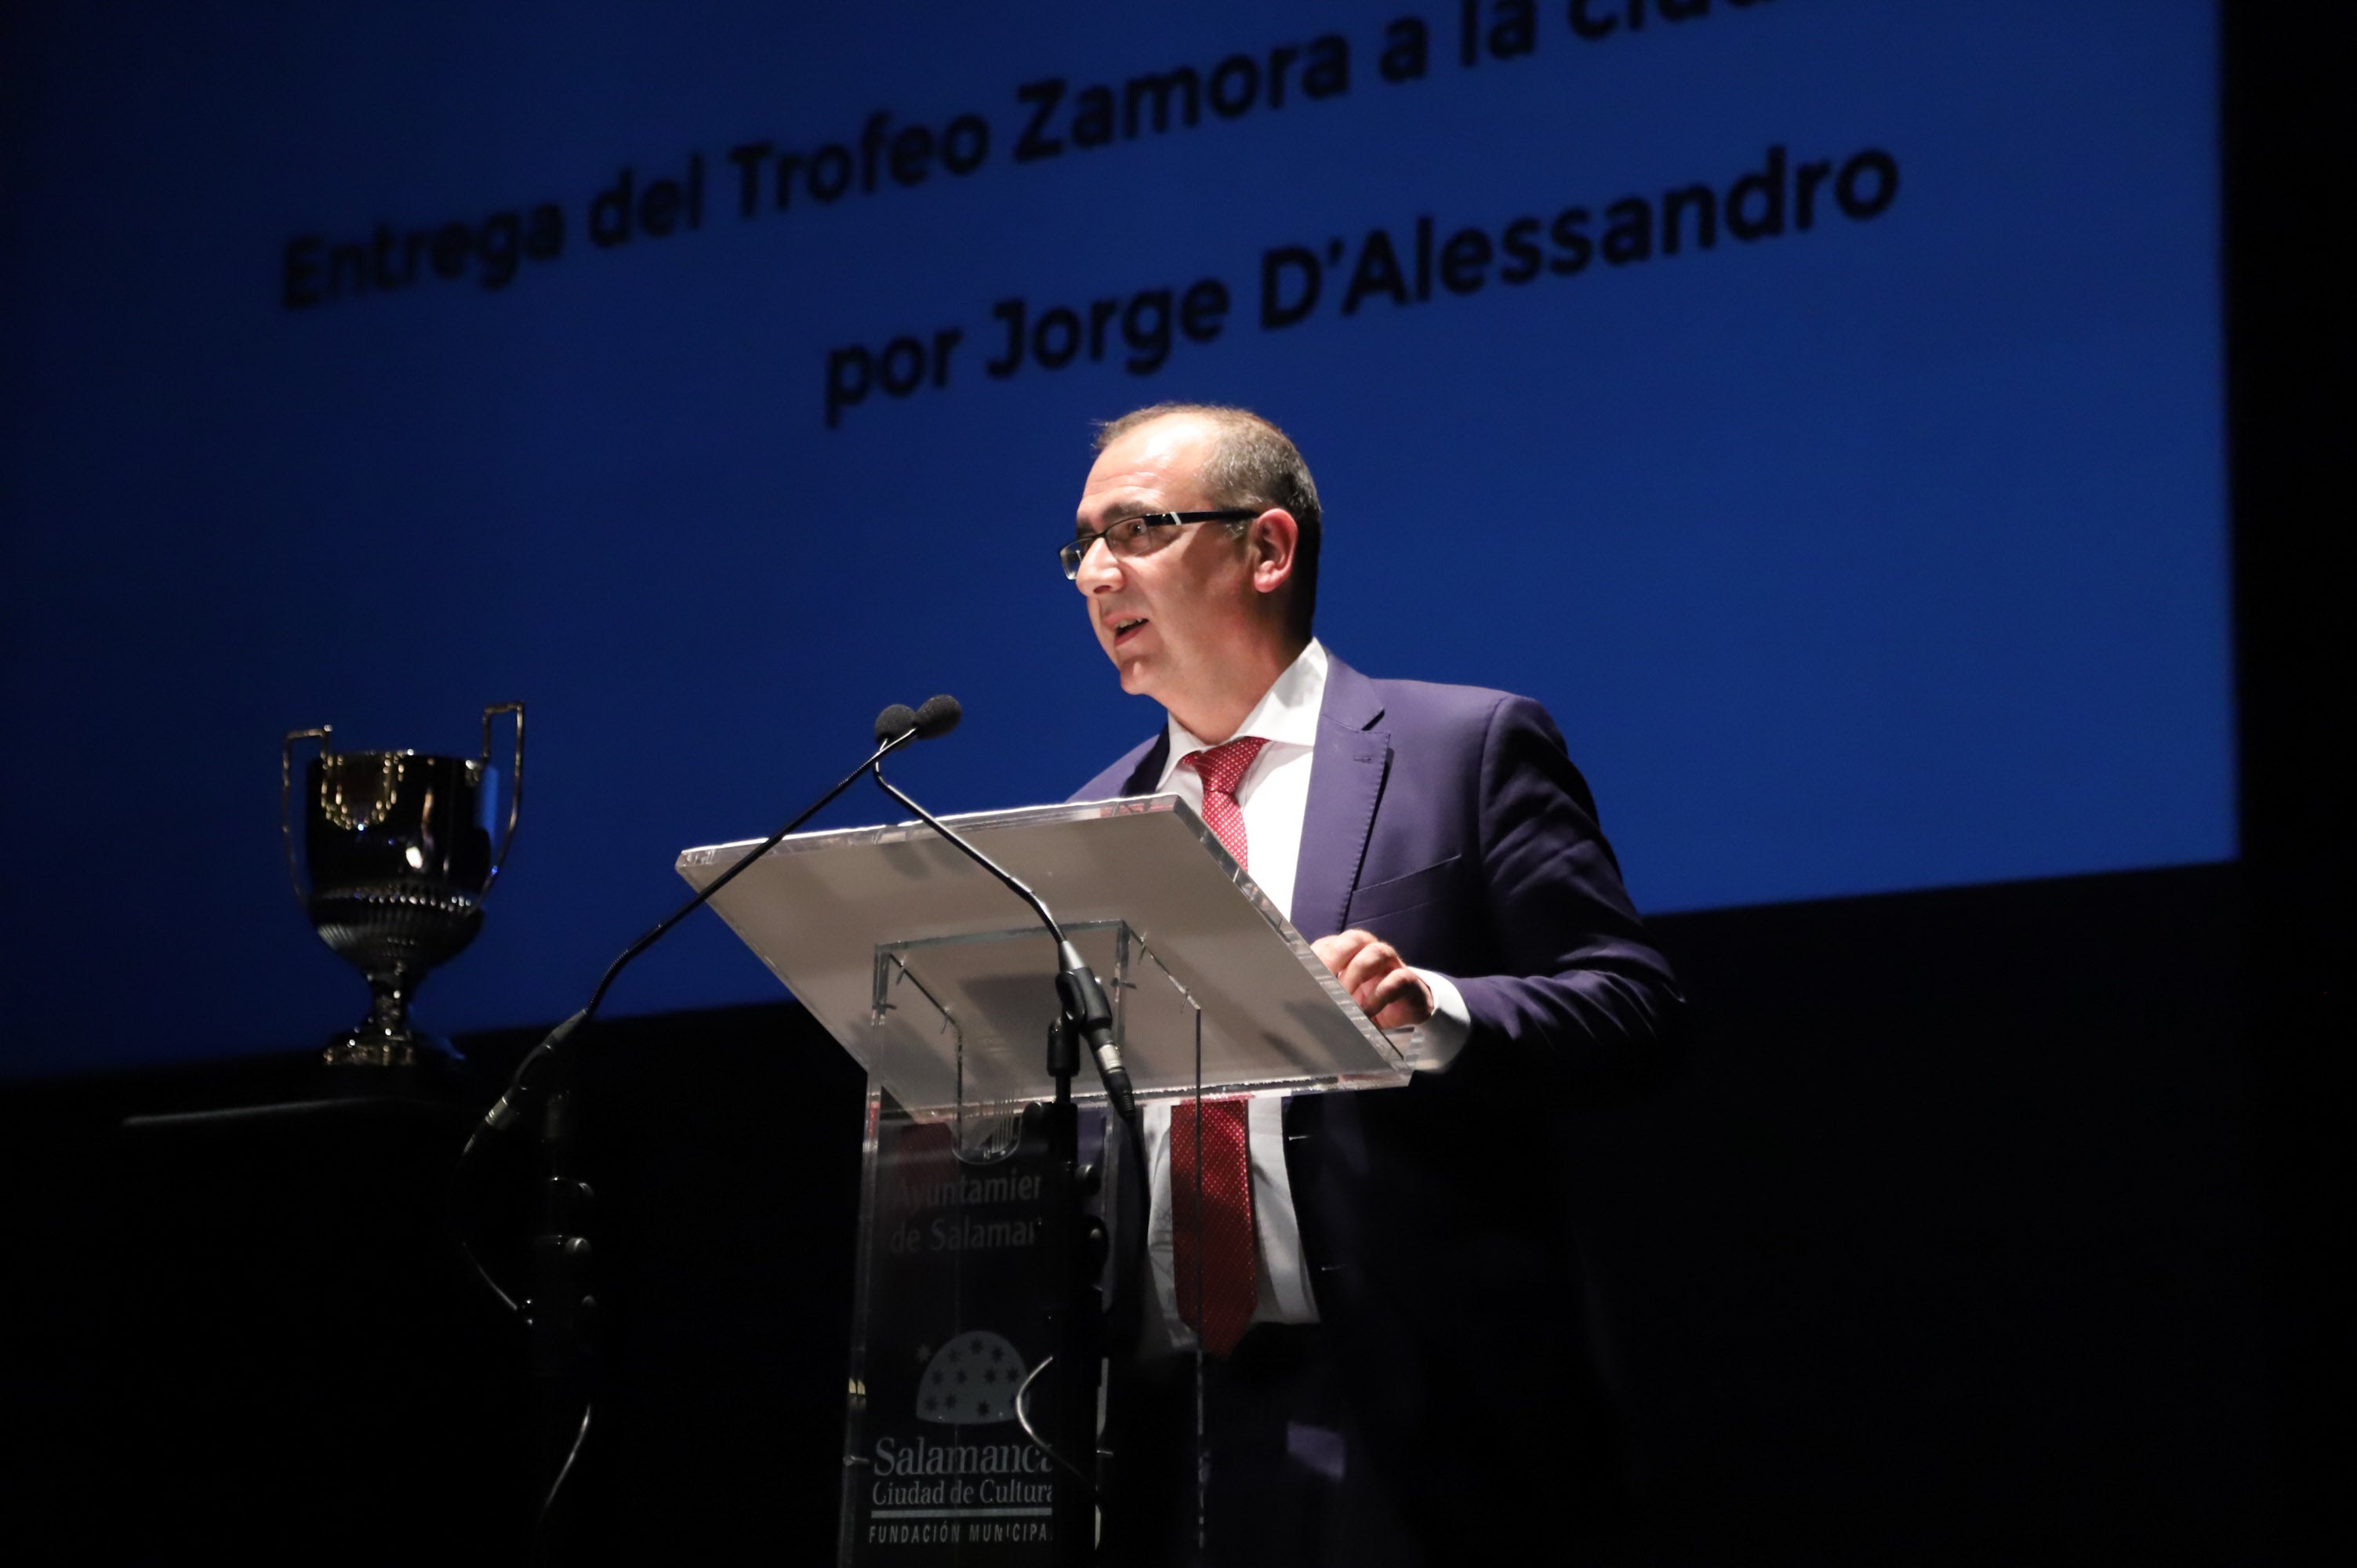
[897, 720]
[938, 716]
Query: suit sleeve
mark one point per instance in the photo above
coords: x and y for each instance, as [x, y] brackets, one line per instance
[1580, 992]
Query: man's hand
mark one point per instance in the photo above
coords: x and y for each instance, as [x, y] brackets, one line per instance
[1377, 978]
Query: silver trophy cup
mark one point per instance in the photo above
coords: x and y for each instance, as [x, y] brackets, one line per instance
[400, 852]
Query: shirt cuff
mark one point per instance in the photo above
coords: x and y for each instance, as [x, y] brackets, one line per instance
[1434, 1043]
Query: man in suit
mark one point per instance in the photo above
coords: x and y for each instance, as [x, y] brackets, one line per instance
[1396, 1359]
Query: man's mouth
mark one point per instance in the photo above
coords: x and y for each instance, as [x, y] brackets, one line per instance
[1125, 628]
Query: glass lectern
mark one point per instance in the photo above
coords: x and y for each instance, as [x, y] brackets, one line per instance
[938, 981]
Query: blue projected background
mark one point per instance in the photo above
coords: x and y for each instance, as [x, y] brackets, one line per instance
[1860, 514]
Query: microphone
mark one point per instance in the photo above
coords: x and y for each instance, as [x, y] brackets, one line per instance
[1077, 987]
[938, 716]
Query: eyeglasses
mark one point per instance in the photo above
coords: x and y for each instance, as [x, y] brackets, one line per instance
[1141, 535]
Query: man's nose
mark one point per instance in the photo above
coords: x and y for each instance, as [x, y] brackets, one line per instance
[1098, 568]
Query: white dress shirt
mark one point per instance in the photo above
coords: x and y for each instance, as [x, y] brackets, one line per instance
[1273, 796]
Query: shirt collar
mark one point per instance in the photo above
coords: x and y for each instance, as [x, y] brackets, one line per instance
[1286, 714]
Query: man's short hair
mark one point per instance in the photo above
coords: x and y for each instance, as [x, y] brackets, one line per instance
[1253, 463]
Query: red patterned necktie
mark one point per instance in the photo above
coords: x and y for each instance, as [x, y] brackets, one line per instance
[1210, 1167]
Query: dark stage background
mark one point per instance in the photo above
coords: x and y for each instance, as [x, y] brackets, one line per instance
[1817, 403]
[1998, 1213]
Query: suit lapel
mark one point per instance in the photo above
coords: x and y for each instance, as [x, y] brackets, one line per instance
[1346, 781]
[1148, 772]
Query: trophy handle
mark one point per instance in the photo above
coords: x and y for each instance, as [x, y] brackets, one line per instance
[515, 785]
[324, 735]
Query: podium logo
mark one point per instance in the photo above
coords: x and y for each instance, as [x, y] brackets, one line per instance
[970, 1380]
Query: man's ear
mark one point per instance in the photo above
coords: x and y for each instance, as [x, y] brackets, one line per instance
[1270, 541]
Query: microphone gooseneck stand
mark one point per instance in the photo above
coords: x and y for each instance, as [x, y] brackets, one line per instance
[1075, 1249]
[558, 1309]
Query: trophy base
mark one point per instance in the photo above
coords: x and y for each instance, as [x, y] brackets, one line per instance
[366, 1047]
[364, 1064]
[347, 1050]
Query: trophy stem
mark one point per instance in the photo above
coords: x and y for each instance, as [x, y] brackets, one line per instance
[385, 1037]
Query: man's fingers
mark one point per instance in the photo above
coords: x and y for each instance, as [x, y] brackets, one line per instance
[1367, 960]
[1371, 963]
[1380, 979]
[1399, 999]
[1339, 949]
[1377, 978]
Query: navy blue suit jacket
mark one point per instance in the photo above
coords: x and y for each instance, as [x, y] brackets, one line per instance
[1451, 822]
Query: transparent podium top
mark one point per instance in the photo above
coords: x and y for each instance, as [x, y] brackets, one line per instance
[942, 982]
